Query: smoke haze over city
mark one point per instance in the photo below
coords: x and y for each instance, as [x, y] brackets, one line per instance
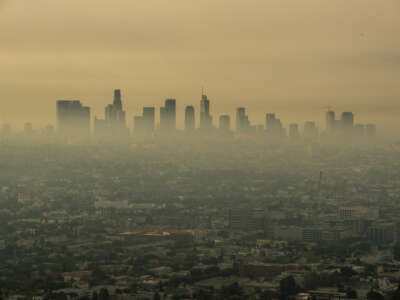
[199, 149]
[285, 56]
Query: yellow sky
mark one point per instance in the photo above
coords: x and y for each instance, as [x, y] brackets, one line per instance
[285, 56]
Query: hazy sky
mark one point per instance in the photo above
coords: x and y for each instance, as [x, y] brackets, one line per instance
[268, 55]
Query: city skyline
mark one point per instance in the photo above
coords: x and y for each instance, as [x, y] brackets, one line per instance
[194, 117]
[277, 55]
[74, 121]
[386, 121]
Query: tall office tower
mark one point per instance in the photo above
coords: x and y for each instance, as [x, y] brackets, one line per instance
[273, 125]
[117, 100]
[294, 131]
[330, 120]
[242, 120]
[269, 120]
[370, 130]
[144, 124]
[359, 130]
[240, 115]
[114, 113]
[149, 116]
[225, 122]
[113, 126]
[347, 121]
[189, 118]
[73, 119]
[310, 130]
[205, 117]
[168, 115]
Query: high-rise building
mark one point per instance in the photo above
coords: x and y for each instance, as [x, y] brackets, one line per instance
[189, 118]
[294, 131]
[117, 100]
[347, 121]
[273, 125]
[168, 115]
[114, 113]
[205, 117]
[149, 115]
[225, 122]
[242, 120]
[144, 124]
[270, 120]
[330, 120]
[113, 126]
[73, 119]
[310, 130]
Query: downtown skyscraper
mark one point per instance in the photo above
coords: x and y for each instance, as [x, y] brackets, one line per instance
[205, 116]
[242, 120]
[168, 116]
[114, 113]
[144, 124]
[113, 126]
[73, 120]
[190, 119]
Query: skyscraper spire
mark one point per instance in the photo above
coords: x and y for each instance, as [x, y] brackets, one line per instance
[117, 99]
[205, 117]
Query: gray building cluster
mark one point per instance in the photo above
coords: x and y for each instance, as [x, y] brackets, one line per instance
[73, 121]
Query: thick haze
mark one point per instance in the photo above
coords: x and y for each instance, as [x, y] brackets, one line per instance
[267, 55]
